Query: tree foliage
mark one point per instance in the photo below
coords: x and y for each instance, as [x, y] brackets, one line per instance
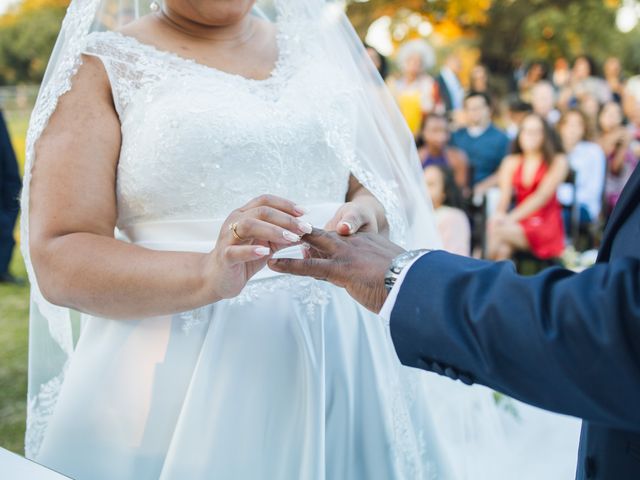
[467, 13]
[27, 36]
[546, 30]
[504, 30]
[508, 30]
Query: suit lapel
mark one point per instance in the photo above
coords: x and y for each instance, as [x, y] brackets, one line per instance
[626, 202]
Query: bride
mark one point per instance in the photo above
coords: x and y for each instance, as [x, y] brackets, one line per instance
[169, 158]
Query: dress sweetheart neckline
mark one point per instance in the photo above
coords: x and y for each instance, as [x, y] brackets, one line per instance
[273, 74]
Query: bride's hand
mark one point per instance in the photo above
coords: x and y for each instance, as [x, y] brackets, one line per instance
[247, 240]
[362, 212]
[353, 217]
[359, 215]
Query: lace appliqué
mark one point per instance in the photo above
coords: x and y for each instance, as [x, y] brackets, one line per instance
[310, 294]
[411, 455]
[192, 319]
[40, 408]
[133, 67]
[341, 137]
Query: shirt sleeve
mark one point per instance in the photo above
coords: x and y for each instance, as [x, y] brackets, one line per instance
[387, 308]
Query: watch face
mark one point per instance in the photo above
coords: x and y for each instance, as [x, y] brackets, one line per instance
[398, 264]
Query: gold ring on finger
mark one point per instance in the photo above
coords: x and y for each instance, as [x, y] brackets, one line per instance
[234, 231]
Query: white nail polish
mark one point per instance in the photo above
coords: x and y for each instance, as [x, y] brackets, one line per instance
[306, 227]
[262, 251]
[292, 237]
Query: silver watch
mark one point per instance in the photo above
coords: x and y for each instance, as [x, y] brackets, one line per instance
[398, 264]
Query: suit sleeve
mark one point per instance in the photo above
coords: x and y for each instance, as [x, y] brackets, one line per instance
[10, 182]
[562, 341]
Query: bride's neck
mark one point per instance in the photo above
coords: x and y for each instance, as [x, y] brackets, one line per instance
[239, 32]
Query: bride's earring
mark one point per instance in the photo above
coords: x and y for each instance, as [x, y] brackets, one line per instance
[154, 6]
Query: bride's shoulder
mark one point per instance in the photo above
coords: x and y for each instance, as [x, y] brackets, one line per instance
[118, 41]
[143, 29]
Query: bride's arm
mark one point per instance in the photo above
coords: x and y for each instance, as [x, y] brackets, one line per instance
[77, 260]
[362, 212]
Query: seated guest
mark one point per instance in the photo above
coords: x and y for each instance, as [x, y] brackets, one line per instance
[434, 150]
[536, 72]
[590, 106]
[631, 108]
[379, 60]
[414, 90]
[484, 144]
[451, 221]
[584, 81]
[561, 75]
[479, 79]
[615, 140]
[516, 110]
[450, 89]
[588, 161]
[614, 78]
[543, 101]
[532, 175]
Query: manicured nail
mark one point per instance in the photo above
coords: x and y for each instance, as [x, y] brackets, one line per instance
[262, 251]
[300, 210]
[306, 246]
[305, 227]
[291, 237]
[349, 226]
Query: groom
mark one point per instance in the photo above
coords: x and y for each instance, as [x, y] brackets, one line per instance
[563, 341]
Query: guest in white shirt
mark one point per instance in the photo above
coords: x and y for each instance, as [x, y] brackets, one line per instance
[450, 89]
[588, 161]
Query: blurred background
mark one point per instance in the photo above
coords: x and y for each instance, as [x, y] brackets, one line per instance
[475, 80]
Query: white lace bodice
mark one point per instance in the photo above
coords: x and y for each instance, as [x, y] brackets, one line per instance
[198, 142]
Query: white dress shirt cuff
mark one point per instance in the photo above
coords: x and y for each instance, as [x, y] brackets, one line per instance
[390, 302]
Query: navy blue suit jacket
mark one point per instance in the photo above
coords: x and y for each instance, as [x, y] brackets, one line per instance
[10, 183]
[562, 341]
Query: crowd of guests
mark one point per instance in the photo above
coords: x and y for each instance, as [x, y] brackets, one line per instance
[530, 171]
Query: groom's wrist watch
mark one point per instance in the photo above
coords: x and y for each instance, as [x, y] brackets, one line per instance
[399, 264]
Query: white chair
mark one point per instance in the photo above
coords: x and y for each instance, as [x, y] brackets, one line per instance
[15, 467]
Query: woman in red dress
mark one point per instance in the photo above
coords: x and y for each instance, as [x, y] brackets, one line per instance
[532, 175]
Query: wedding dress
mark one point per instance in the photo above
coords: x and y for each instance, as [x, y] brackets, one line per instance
[291, 379]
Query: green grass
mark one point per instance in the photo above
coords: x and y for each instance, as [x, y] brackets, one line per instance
[14, 316]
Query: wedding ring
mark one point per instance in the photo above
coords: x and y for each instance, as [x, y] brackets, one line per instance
[234, 231]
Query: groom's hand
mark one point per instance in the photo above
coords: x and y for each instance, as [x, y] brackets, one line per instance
[357, 263]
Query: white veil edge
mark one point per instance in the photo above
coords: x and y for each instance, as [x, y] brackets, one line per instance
[379, 151]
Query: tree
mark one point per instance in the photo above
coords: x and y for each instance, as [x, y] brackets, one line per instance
[545, 30]
[466, 13]
[27, 36]
[526, 30]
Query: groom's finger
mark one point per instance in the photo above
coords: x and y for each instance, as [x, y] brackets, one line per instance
[322, 240]
[319, 269]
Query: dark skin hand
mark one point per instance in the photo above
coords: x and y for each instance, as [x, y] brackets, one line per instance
[357, 263]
